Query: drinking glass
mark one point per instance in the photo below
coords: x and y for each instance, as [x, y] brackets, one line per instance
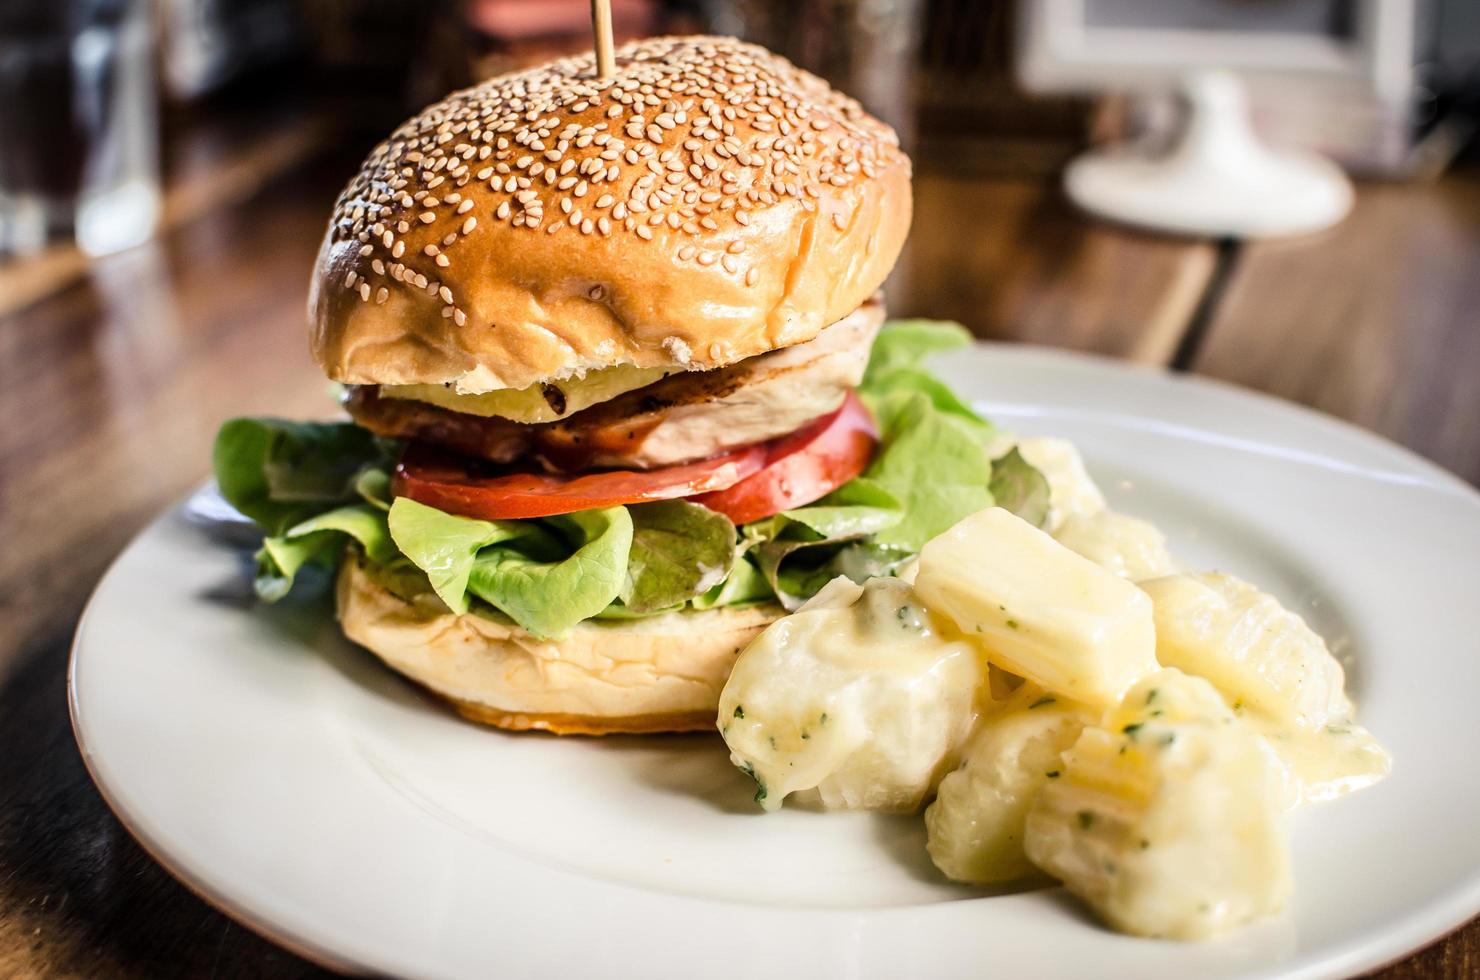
[79, 124]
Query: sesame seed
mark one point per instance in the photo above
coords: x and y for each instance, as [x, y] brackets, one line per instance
[748, 130]
[445, 293]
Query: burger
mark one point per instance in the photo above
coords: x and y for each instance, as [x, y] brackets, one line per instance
[619, 387]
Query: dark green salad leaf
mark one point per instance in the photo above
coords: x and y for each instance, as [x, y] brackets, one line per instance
[1019, 487]
[280, 473]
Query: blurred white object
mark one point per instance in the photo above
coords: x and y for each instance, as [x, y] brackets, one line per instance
[1334, 77]
[1219, 178]
[79, 130]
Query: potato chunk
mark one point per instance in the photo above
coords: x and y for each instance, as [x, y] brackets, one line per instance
[975, 825]
[859, 700]
[1038, 609]
[1127, 546]
[1167, 817]
[1257, 653]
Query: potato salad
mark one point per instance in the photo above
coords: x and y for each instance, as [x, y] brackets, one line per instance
[1063, 700]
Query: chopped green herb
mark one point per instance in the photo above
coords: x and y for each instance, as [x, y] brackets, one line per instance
[1151, 694]
[760, 784]
[772, 740]
[1086, 819]
[805, 736]
[1168, 738]
[1145, 843]
[1132, 728]
[739, 711]
[1052, 774]
[1238, 705]
[823, 719]
[1049, 699]
[1012, 624]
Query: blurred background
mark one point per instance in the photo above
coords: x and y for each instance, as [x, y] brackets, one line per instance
[121, 120]
[1284, 194]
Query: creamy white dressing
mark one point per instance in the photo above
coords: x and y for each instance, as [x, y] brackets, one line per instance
[1167, 816]
[1327, 762]
[1123, 545]
[859, 700]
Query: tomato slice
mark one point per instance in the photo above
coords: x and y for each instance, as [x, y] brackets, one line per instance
[428, 476]
[808, 464]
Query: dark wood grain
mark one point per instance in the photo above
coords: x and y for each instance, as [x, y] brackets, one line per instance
[112, 386]
[1376, 321]
[1012, 260]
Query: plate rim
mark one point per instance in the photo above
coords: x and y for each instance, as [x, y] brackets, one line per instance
[1421, 926]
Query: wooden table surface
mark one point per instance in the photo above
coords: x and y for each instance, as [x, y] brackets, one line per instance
[115, 375]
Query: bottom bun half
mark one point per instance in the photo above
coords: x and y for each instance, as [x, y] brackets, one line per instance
[658, 674]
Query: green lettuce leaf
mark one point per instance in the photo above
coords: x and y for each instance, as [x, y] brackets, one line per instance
[799, 551]
[797, 568]
[281, 473]
[934, 464]
[679, 550]
[320, 541]
[446, 546]
[745, 583]
[547, 594]
[904, 345]
[1018, 486]
[860, 506]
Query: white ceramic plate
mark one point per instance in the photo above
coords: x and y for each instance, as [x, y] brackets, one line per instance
[294, 782]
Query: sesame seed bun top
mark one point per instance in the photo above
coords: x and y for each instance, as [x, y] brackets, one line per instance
[708, 202]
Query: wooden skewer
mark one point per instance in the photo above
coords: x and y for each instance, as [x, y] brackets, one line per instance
[601, 26]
